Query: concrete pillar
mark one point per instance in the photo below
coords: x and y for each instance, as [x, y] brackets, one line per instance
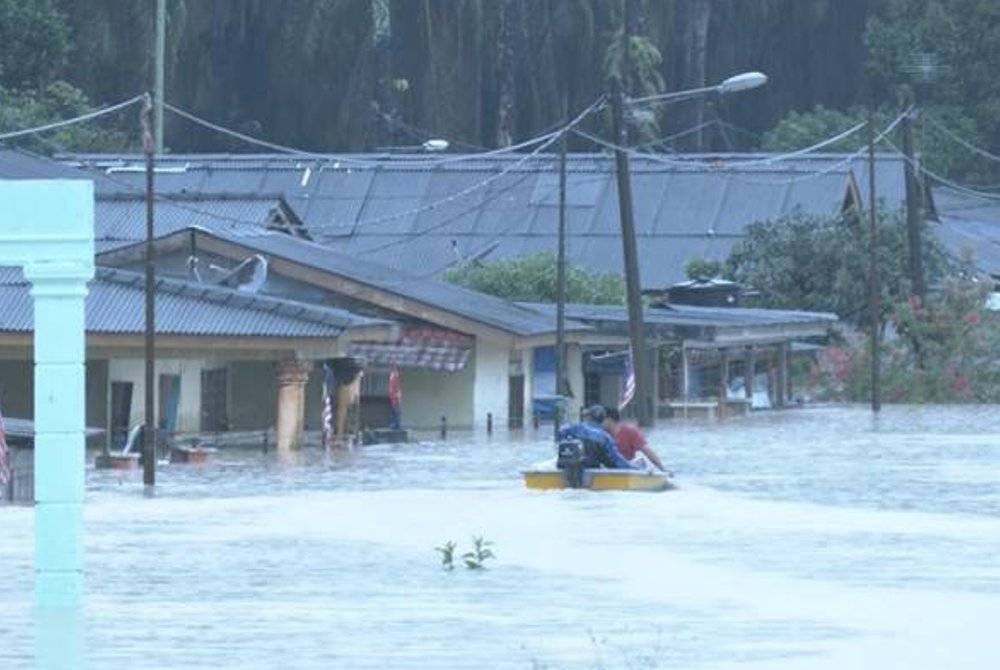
[781, 392]
[47, 228]
[789, 391]
[574, 376]
[654, 400]
[723, 382]
[749, 371]
[292, 378]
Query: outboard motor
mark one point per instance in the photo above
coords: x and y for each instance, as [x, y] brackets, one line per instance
[570, 460]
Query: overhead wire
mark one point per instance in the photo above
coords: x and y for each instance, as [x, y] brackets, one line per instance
[413, 161]
[76, 119]
[960, 140]
[770, 160]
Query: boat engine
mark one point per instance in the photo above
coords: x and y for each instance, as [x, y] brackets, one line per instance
[570, 460]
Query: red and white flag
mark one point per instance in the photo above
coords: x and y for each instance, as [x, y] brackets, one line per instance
[627, 391]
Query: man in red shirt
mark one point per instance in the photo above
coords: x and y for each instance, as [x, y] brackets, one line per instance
[629, 438]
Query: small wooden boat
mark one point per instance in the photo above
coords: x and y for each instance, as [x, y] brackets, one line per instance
[598, 479]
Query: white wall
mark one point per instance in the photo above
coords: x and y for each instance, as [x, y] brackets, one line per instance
[574, 373]
[428, 395]
[134, 370]
[491, 393]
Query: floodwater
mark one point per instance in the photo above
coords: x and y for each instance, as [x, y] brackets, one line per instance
[812, 538]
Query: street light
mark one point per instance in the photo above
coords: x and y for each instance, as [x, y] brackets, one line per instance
[432, 145]
[740, 82]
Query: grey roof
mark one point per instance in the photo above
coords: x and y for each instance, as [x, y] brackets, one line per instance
[403, 210]
[688, 320]
[115, 305]
[479, 307]
[122, 218]
[969, 224]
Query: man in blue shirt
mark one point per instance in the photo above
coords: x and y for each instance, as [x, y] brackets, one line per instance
[599, 447]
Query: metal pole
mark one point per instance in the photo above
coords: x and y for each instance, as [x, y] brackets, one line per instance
[873, 282]
[561, 286]
[149, 434]
[913, 213]
[158, 72]
[631, 256]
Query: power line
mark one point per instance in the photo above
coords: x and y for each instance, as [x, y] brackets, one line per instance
[944, 180]
[770, 160]
[68, 122]
[965, 143]
[366, 163]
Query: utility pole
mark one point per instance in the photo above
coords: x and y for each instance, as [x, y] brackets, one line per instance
[158, 72]
[629, 249]
[149, 432]
[561, 389]
[873, 280]
[914, 220]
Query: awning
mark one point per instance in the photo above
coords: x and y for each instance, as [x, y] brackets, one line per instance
[426, 348]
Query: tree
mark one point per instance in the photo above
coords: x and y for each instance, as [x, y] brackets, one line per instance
[804, 261]
[948, 351]
[532, 278]
[34, 43]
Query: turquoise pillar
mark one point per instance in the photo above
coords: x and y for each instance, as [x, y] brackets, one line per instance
[47, 228]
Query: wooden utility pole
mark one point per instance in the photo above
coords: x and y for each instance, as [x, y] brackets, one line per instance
[149, 432]
[875, 305]
[631, 256]
[158, 72]
[914, 215]
[561, 284]
[629, 248]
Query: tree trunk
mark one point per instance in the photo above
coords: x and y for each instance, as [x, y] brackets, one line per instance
[694, 21]
[506, 38]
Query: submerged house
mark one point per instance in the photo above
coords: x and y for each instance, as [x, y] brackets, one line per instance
[462, 355]
[220, 352]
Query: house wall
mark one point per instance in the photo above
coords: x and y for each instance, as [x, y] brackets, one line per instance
[134, 370]
[253, 395]
[491, 392]
[17, 390]
[428, 395]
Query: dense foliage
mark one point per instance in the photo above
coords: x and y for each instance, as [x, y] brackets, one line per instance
[802, 261]
[35, 42]
[533, 278]
[944, 351]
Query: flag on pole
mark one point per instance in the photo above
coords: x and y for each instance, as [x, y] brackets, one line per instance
[329, 402]
[395, 398]
[627, 391]
[4, 455]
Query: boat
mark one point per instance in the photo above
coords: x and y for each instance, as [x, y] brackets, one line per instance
[598, 479]
[567, 471]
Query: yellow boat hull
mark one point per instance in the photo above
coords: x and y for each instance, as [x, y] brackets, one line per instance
[600, 480]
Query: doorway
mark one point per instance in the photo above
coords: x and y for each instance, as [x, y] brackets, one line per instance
[214, 400]
[121, 413]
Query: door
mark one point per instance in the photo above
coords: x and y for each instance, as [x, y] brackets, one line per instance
[170, 398]
[214, 400]
[121, 413]
[515, 401]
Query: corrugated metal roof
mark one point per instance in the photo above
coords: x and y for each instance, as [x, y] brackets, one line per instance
[688, 320]
[116, 301]
[378, 207]
[485, 309]
[969, 225]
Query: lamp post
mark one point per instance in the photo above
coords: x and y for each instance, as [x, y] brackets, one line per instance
[740, 82]
[432, 145]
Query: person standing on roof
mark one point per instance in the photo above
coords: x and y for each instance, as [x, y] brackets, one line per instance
[599, 447]
[629, 438]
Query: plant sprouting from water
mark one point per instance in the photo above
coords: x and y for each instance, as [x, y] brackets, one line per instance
[481, 552]
[447, 551]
